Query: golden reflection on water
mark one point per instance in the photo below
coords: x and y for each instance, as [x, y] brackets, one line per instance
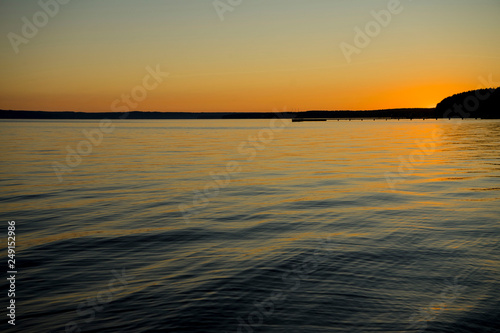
[159, 162]
[312, 183]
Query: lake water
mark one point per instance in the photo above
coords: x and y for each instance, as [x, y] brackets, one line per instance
[253, 226]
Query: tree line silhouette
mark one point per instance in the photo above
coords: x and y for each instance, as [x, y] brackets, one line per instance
[481, 103]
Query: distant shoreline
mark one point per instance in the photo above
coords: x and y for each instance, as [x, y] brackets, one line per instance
[416, 113]
[478, 104]
[382, 114]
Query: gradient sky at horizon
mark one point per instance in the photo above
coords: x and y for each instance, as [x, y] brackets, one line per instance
[266, 55]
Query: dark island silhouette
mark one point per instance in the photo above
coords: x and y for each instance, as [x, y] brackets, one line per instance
[480, 104]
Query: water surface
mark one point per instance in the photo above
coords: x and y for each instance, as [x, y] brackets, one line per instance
[244, 226]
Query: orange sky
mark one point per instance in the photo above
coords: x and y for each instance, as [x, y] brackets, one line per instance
[262, 56]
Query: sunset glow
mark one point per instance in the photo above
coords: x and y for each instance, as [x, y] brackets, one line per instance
[263, 55]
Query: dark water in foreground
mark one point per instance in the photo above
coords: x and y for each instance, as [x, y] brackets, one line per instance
[299, 229]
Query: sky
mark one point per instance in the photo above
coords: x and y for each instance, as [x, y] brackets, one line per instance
[244, 55]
